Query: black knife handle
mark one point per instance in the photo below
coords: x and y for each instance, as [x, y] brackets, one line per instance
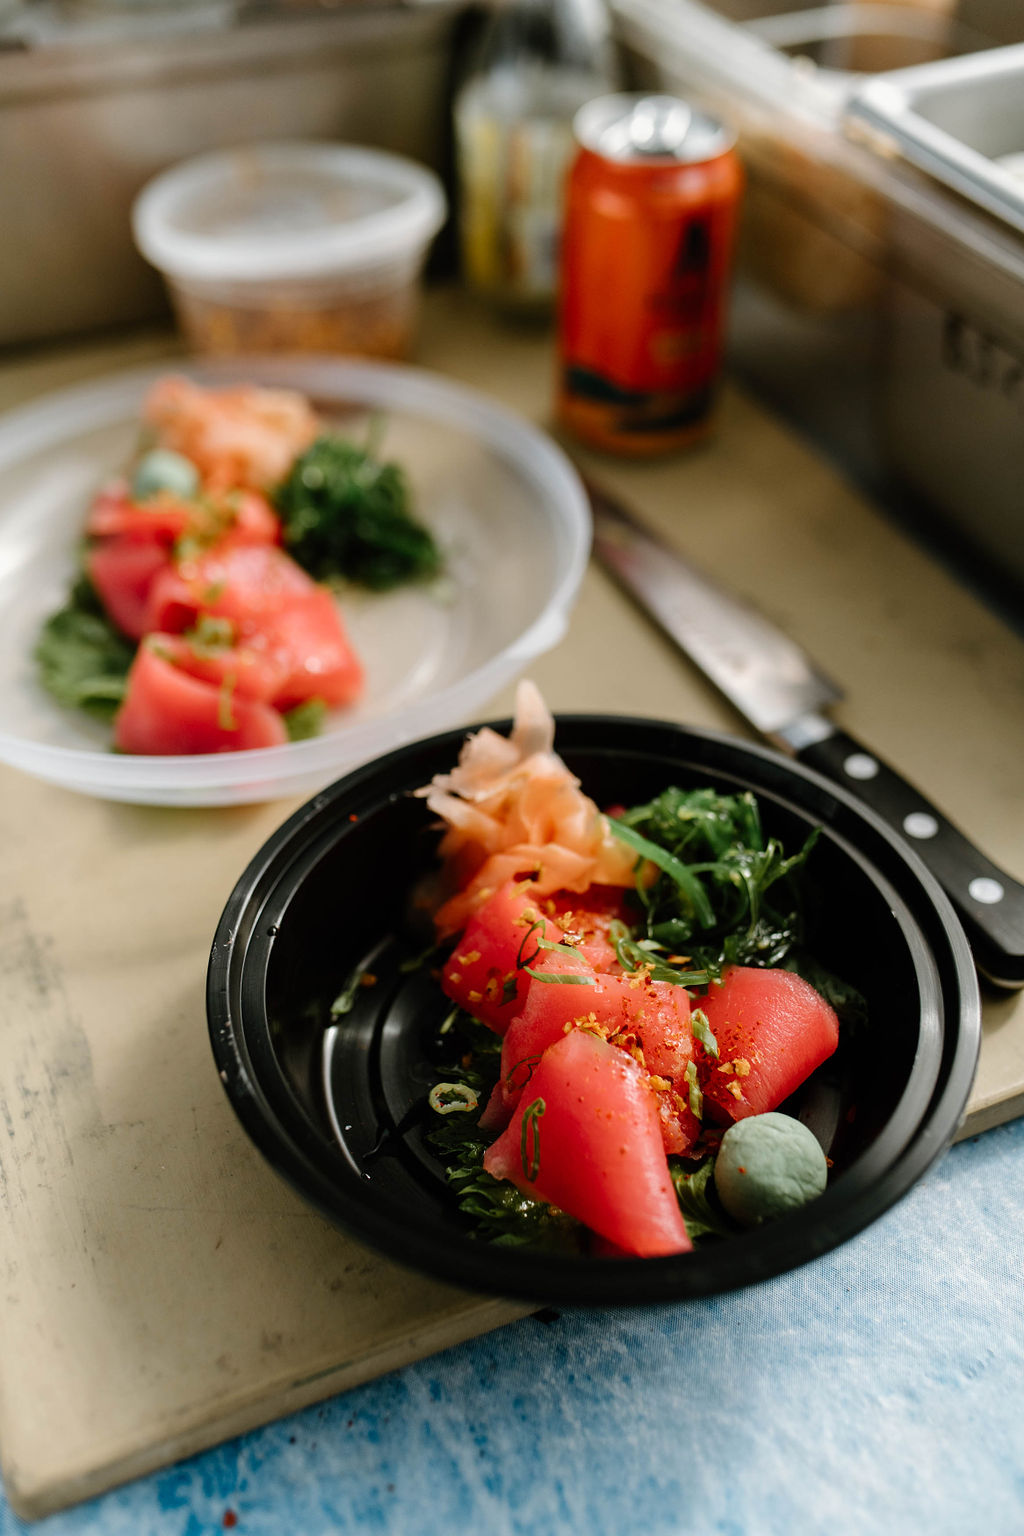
[988, 901]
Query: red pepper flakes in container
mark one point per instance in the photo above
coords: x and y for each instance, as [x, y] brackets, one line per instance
[297, 247]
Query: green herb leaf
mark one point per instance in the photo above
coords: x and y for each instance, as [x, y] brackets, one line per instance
[83, 659]
[634, 953]
[698, 1203]
[347, 514]
[849, 1004]
[211, 635]
[498, 1210]
[305, 720]
[748, 884]
[690, 887]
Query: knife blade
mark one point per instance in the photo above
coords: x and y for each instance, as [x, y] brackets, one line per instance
[771, 681]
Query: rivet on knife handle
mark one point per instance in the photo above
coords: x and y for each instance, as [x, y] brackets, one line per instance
[989, 902]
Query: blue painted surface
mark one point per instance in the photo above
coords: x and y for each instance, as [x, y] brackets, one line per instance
[880, 1389]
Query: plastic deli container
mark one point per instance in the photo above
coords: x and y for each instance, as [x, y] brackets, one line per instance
[295, 247]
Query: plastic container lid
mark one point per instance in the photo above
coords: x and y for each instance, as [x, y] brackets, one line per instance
[267, 212]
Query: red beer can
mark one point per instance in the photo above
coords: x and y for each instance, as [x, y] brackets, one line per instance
[650, 220]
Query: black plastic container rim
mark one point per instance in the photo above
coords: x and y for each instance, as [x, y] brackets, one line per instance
[846, 1208]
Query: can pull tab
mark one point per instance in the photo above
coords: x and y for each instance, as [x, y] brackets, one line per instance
[659, 125]
[656, 125]
[630, 129]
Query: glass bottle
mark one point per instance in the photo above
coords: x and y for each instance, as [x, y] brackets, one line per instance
[536, 63]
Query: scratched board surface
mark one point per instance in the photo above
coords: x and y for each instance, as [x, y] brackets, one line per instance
[162, 1287]
[158, 1275]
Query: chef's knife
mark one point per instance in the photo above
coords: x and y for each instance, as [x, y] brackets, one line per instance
[775, 687]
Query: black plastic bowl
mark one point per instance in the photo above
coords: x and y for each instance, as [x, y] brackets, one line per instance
[338, 1109]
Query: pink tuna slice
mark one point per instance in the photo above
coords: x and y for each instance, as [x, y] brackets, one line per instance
[595, 1148]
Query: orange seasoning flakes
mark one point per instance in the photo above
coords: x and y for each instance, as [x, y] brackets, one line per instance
[380, 325]
[641, 976]
[469, 959]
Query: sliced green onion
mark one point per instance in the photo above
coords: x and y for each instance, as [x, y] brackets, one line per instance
[521, 964]
[225, 696]
[568, 979]
[452, 1098]
[531, 1118]
[702, 1032]
[347, 996]
[562, 949]
[695, 1096]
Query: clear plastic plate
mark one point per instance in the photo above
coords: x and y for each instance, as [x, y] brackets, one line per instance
[505, 503]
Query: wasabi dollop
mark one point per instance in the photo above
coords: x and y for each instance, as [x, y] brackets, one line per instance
[768, 1165]
[163, 470]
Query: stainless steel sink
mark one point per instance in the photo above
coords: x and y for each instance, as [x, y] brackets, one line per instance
[879, 296]
[961, 120]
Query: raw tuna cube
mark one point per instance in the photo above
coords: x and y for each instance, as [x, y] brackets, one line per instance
[166, 711]
[484, 973]
[773, 1030]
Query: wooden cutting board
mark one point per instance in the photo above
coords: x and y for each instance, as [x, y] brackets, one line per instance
[163, 1289]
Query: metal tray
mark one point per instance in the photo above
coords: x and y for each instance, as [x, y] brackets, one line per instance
[961, 120]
